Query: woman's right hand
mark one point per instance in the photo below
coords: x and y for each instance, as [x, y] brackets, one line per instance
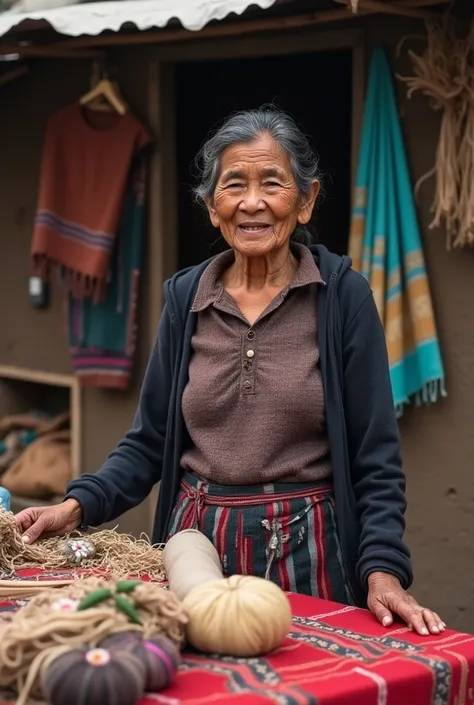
[37, 522]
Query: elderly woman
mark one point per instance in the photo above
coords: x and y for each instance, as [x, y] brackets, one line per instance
[266, 409]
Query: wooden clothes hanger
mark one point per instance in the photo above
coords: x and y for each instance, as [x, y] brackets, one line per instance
[104, 95]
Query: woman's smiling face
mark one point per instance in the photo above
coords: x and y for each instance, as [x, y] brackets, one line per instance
[256, 203]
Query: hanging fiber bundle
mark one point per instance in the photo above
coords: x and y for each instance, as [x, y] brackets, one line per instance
[117, 555]
[82, 615]
[444, 73]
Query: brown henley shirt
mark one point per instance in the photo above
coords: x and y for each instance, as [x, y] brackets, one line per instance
[254, 403]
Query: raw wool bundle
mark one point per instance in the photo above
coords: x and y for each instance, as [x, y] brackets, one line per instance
[117, 555]
[81, 616]
[445, 73]
[190, 560]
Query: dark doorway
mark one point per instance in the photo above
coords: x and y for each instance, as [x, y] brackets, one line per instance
[315, 88]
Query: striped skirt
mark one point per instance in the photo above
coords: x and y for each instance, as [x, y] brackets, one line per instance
[283, 532]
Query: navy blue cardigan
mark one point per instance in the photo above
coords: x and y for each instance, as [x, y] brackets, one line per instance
[369, 481]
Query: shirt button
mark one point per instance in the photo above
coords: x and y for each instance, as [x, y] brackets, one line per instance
[247, 385]
[250, 354]
[250, 335]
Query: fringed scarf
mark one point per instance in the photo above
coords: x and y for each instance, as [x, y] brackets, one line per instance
[86, 161]
[385, 246]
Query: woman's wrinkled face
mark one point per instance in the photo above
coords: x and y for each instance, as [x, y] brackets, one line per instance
[256, 203]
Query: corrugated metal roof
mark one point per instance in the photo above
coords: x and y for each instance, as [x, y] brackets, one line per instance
[93, 18]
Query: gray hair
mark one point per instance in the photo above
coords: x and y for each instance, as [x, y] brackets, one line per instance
[246, 126]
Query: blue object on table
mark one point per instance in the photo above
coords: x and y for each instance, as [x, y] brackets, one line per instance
[4, 499]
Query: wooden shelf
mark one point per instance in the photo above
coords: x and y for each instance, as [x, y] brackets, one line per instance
[65, 381]
[24, 374]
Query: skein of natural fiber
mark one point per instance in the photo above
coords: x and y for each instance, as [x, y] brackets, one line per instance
[95, 677]
[117, 555]
[241, 616]
[159, 655]
[81, 615]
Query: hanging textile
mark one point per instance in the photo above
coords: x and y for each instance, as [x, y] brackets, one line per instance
[87, 156]
[102, 336]
[385, 246]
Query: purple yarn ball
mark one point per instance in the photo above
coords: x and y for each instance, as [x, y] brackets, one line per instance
[121, 641]
[159, 655]
[163, 659]
[96, 677]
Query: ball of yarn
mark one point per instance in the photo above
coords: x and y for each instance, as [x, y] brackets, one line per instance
[96, 677]
[121, 641]
[166, 658]
[159, 655]
[237, 616]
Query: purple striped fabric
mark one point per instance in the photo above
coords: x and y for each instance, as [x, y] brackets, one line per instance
[75, 231]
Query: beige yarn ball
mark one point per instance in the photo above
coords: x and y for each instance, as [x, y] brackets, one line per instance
[237, 616]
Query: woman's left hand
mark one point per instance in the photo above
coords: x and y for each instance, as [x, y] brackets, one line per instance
[387, 598]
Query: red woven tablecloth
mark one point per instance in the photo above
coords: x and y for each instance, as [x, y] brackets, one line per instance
[334, 655]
